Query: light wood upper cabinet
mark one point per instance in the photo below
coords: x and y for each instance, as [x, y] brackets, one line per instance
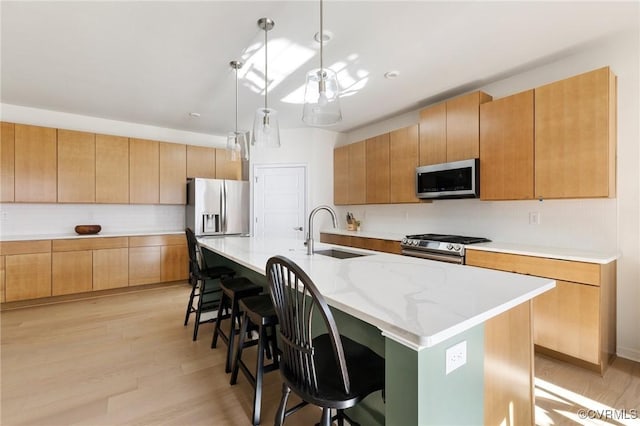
[225, 168]
[357, 173]
[575, 136]
[144, 171]
[377, 165]
[35, 164]
[7, 162]
[112, 169]
[463, 126]
[403, 160]
[76, 167]
[450, 131]
[506, 148]
[201, 162]
[341, 175]
[173, 173]
[433, 134]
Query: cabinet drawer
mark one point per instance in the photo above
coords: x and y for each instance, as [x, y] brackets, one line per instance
[25, 247]
[89, 244]
[566, 270]
[157, 240]
[341, 240]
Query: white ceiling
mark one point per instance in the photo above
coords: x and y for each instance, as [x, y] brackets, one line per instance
[154, 62]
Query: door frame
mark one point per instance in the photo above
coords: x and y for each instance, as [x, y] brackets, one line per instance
[264, 166]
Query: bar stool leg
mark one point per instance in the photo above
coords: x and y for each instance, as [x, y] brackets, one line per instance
[216, 330]
[257, 395]
[197, 324]
[238, 355]
[232, 334]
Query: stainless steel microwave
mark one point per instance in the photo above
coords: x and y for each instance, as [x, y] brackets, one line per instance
[457, 179]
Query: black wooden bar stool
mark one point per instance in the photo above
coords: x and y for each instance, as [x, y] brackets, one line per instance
[233, 290]
[258, 312]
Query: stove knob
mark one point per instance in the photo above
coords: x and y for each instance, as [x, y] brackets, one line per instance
[457, 247]
[404, 241]
[415, 242]
[449, 246]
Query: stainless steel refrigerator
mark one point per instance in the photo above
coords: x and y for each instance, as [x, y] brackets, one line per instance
[217, 206]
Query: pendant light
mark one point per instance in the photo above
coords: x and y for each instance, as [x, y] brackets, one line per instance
[321, 101]
[266, 131]
[236, 142]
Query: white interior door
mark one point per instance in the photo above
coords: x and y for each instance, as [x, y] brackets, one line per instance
[279, 200]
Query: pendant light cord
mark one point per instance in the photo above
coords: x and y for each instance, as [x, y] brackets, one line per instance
[265, 65]
[236, 132]
[321, 40]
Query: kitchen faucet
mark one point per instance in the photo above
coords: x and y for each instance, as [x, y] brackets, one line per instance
[309, 240]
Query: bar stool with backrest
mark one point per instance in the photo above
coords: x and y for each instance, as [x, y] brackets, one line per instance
[259, 314]
[208, 293]
[328, 370]
[233, 290]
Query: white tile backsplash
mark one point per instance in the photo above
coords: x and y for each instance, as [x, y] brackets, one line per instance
[35, 219]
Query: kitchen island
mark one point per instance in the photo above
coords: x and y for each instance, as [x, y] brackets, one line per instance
[411, 310]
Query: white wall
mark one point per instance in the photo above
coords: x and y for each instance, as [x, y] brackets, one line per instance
[595, 224]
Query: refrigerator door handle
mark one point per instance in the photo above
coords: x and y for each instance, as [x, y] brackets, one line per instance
[223, 206]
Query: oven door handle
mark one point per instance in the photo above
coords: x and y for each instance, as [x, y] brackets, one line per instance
[433, 256]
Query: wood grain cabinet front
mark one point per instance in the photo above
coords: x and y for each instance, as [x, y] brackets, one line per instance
[7, 162]
[144, 171]
[403, 160]
[76, 167]
[27, 269]
[575, 321]
[71, 272]
[110, 268]
[225, 168]
[173, 173]
[144, 265]
[112, 169]
[377, 166]
[2, 280]
[201, 162]
[174, 263]
[35, 164]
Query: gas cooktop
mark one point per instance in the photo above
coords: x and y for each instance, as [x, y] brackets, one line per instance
[455, 239]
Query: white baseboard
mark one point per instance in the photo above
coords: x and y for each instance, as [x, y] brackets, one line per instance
[629, 353]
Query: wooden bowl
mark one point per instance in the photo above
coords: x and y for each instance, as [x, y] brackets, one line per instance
[88, 229]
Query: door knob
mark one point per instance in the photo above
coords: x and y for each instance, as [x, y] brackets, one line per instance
[298, 228]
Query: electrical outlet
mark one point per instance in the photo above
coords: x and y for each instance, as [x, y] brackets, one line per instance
[534, 218]
[456, 357]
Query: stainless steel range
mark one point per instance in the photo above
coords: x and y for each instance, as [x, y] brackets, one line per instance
[446, 248]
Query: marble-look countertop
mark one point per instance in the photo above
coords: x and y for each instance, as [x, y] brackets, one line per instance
[416, 302]
[74, 235]
[578, 255]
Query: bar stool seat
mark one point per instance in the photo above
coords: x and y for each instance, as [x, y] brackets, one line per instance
[258, 312]
[233, 290]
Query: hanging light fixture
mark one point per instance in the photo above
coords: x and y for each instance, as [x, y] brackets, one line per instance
[321, 101]
[266, 131]
[236, 142]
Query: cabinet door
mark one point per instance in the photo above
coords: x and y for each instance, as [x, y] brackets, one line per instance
[173, 173]
[144, 265]
[201, 162]
[225, 168]
[567, 320]
[71, 272]
[377, 165]
[76, 167]
[2, 280]
[506, 148]
[7, 162]
[357, 173]
[174, 263]
[112, 169]
[28, 276]
[575, 136]
[403, 160]
[35, 164]
[433, 135]
[110, 268]
[463, 126]
[341, 175]
[144, 172]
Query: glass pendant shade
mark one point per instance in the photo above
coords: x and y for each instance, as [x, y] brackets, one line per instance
[237, 148]
[321, 101]
[266, 131]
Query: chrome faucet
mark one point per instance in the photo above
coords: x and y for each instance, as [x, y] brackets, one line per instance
[309, 240]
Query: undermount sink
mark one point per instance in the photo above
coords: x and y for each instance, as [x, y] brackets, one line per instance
[339, 254]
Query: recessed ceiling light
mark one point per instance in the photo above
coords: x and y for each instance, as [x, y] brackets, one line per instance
[390, 75]
[328, 35]
[194, 114]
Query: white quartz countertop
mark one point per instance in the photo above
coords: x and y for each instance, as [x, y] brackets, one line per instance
[416, 302]
[70, 235]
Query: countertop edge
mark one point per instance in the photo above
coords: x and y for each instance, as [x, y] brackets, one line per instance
[9, 238]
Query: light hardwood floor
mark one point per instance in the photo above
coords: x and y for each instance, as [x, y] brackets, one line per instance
[126, 359]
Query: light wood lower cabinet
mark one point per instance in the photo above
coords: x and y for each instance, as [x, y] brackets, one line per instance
[71, 272]
[110, 268]
[174, 263]
[376, 244]
[27, 269]
[2, 274]
[144, 265]
[157, 258]
[576, 321]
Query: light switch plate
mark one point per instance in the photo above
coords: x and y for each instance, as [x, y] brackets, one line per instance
[456, 357]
